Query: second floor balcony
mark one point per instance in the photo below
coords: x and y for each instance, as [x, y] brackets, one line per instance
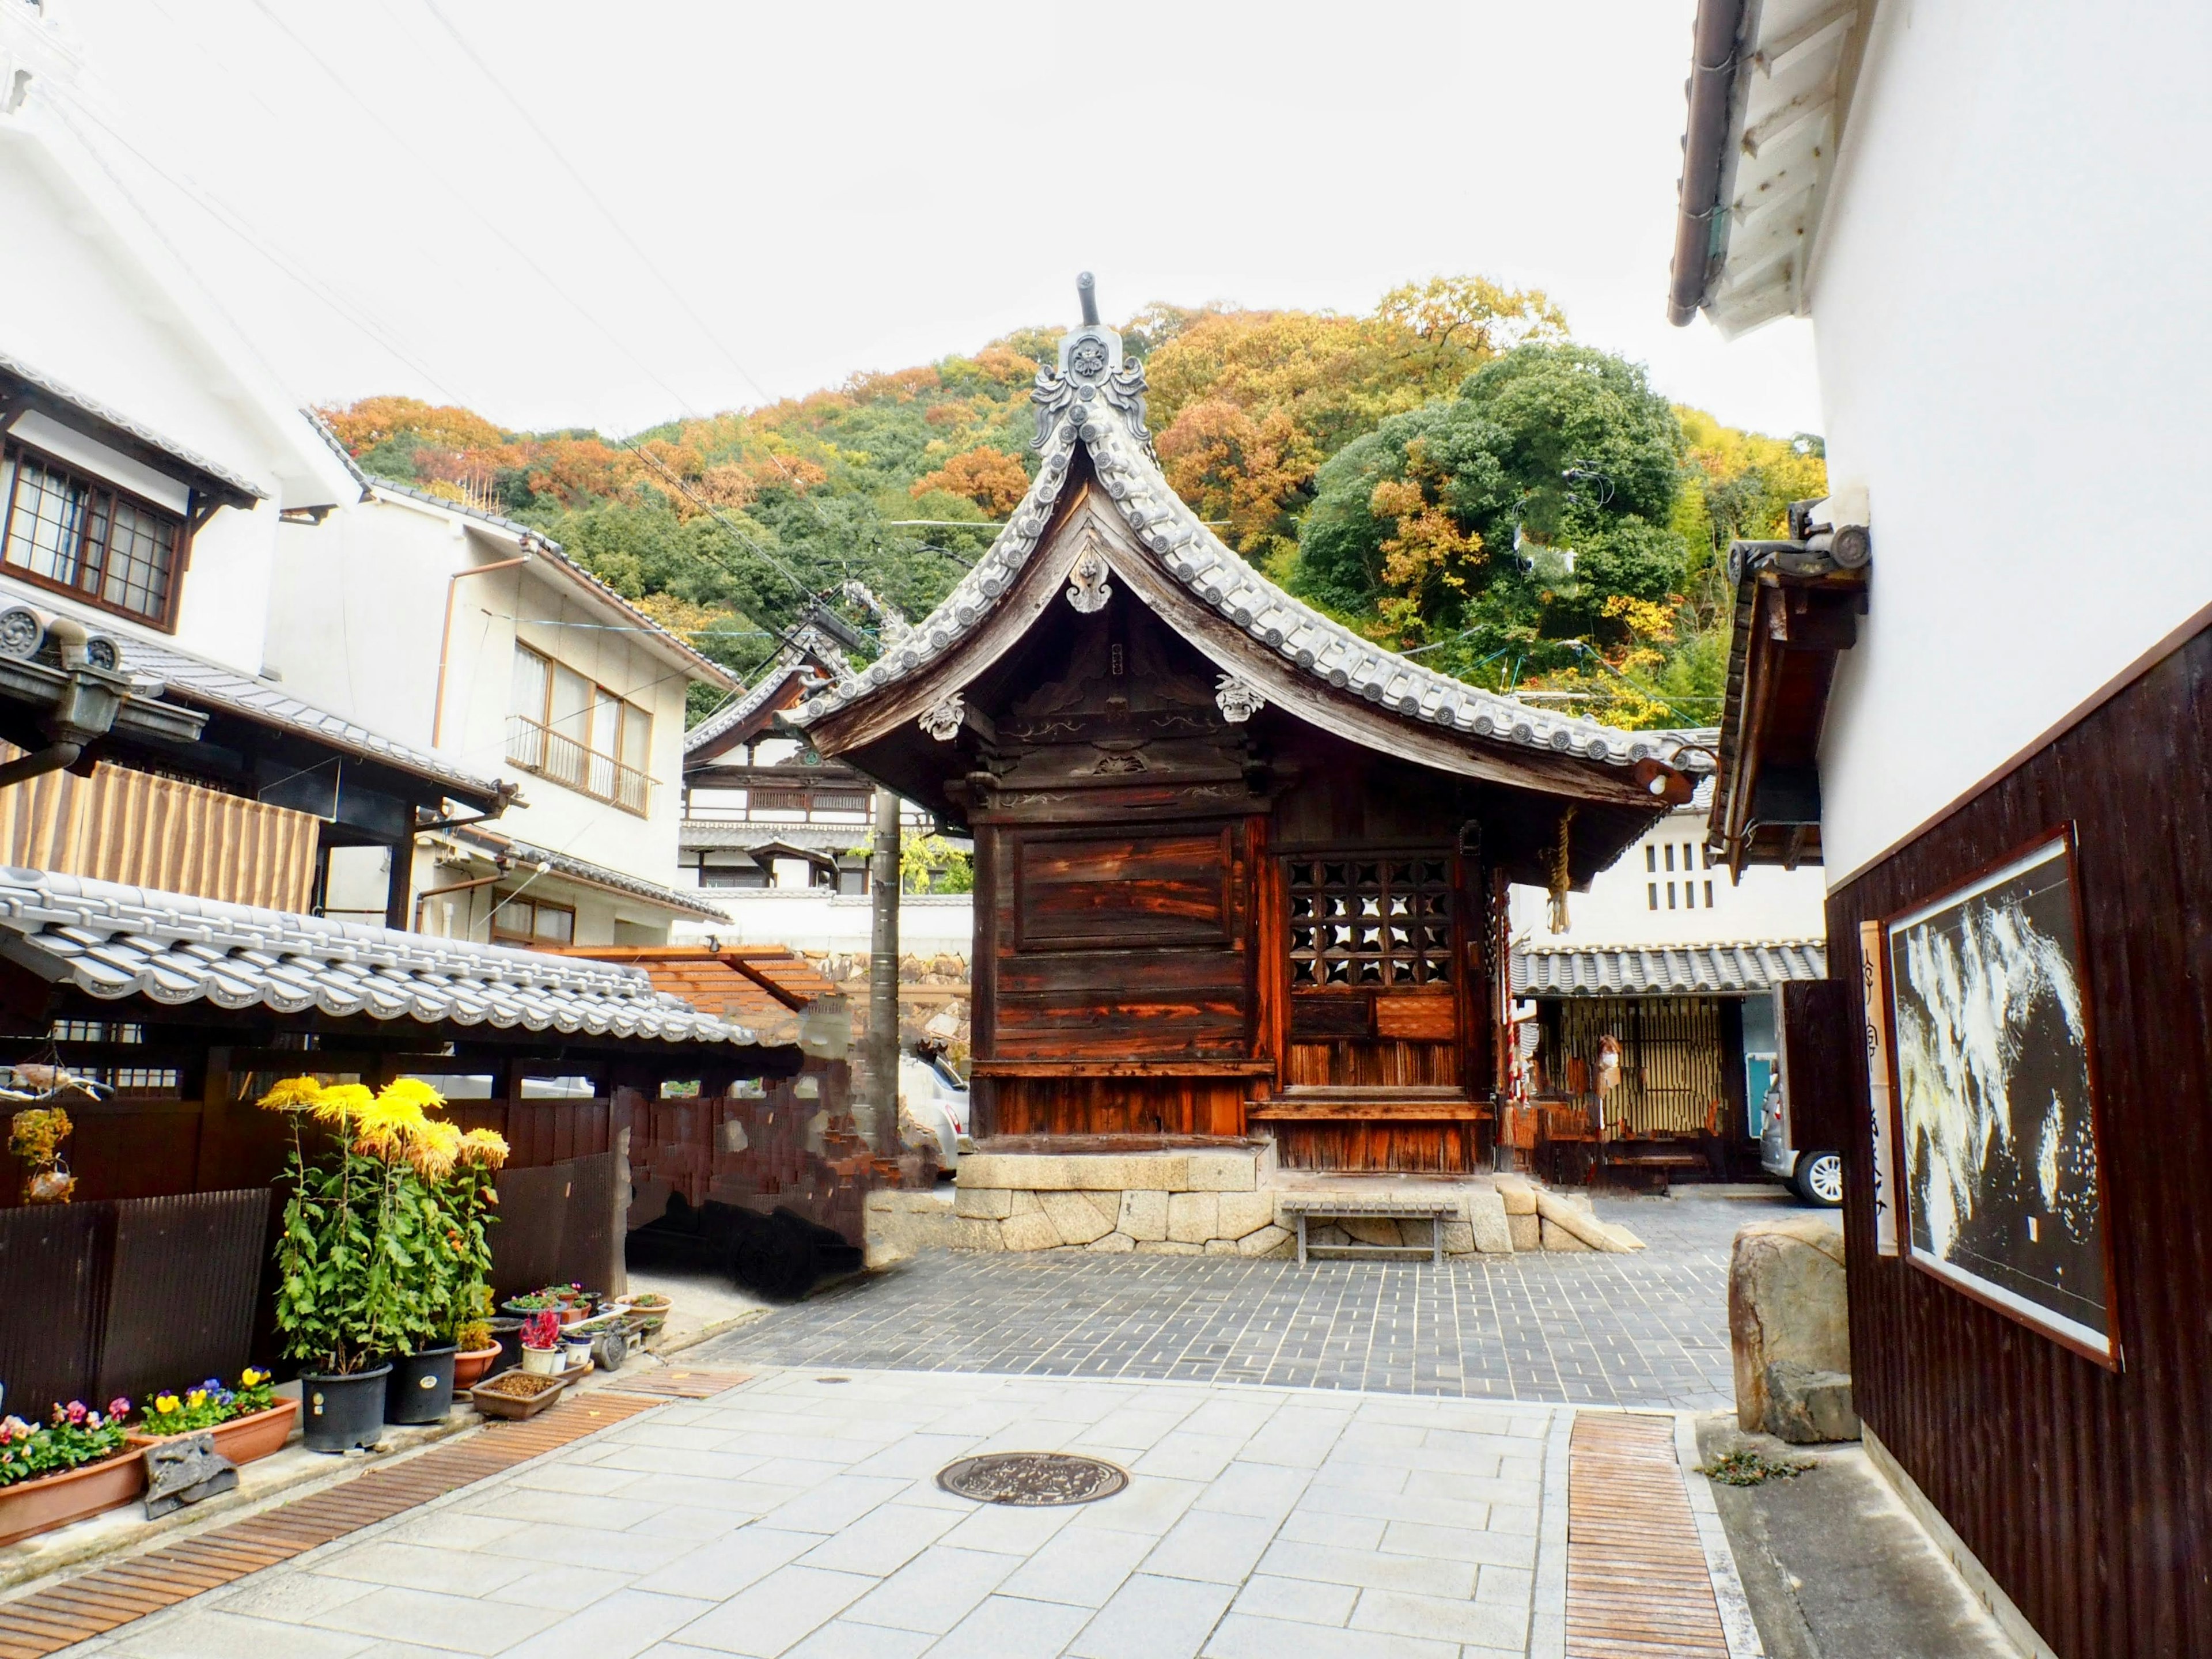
[537, 748]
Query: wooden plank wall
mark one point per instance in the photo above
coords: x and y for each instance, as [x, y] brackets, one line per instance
[149, 831]
[2082, 1490]
[1115, 1105]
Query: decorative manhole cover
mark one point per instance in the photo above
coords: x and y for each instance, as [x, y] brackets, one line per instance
[1032, 1478]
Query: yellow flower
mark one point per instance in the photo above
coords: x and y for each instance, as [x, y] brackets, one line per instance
[413, 1091]
[484, 1149]
[166, 1403]
[384, 1129]
[341, 1102]
[251, 1378]
[196, 1398]
[293, 1094]
[432, 1150]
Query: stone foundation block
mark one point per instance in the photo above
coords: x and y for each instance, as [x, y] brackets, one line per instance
[1526, 1230]
[1143, 1215]
[1024, 1203]
[983, 1203]
[1809, 1407]
[1220, 1247]
[1519, 1196]
[1075, 1217]
[1029, 1232]
[1376, 1229]
[1168, 1246]
[1552, 1236]
[1270, 1240]
[1325, 1232]
[1488, 1222]
[967, 1235]
[1221, 1172]
[1786, 1304]
[1459, 1238]
[1194, 1218]
[1245, 1212]
[1113, 1244]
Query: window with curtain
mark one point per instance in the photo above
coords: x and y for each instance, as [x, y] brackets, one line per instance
[83, 537]
[563, 725]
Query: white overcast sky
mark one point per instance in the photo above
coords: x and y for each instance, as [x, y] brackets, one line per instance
[842, 187]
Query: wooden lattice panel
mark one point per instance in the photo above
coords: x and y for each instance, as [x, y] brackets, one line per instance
[1637, 1585]
[98, 1601]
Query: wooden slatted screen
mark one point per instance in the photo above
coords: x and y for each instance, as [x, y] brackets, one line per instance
[160, 833]
[1671, 1058]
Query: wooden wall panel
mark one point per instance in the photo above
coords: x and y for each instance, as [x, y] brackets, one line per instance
[1439, 1148]
[1101, 1105]
[147, 831]
[1117, 892]
[2083, 1490]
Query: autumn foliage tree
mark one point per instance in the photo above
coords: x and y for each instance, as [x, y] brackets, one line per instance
[993, 480]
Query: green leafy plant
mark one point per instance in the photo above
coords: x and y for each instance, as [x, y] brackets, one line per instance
[74, 1436]
[184, 1410]
[1746, 1467]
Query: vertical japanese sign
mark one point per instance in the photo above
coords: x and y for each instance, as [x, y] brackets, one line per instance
[1874, 972]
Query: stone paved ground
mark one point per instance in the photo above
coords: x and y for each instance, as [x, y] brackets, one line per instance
[799, 1517]
[1647, 1329]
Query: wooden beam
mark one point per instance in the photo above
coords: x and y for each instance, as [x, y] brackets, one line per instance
[1123, 1068]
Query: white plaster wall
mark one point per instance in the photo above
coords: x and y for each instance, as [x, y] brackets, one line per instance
[1770, 904]
[930, 924]
[359, 612]
[2015, 353]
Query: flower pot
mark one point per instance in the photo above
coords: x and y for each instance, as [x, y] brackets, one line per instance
[495, 1402]
[341, 1412]
[243, 1438]
[541, 1362]
[576, 1353]
[422, 1387]
[55, 1500]
[470, 1364]
[573, 1313]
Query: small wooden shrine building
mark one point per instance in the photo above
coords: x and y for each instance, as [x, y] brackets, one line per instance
[1238, 871]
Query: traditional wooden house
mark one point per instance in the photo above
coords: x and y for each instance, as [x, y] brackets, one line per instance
[1238, 869]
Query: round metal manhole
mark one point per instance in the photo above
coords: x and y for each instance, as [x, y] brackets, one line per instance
[1032, 1479]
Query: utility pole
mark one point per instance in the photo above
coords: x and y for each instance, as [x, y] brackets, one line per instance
[882, 1055]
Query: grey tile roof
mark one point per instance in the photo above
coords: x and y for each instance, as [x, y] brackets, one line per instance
[806, 642]
[197, 680]
[1102, 409]
[113, 941]
[492, 841]
[93, 409]
[707, 835]
[1633, 970]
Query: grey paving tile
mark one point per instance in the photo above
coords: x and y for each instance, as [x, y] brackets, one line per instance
[1152, 1617]
[773, 1614]
[616, 1626]
[419, 1567]
[1211, 1545]
[1442, 1619]
[456, 1624]
[194, 1634]
[1008, 1627]
[1241, 1637]
[1301, 1601]
[935, 1590]
[710, 1572]
[1081, 1567]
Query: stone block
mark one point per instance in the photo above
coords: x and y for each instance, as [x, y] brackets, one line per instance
[1113, 1244]
[1553, 1237]
[989, 1170]
[1519, 1196]
[1194, 1218]
[1029, 1232]
[1223, 1172]
[983, 1203]
[1376, 1229]
[1245, 1212]
[1786, 1303]
[1809, 1407]
[1154, 1172]
[1024, 1203]
[1109, 1205]
[1579, 1221]
[1326, 1232]
[1486, 1219]
[1168, 1246]
[1144, 1214]
[1075, 1217]
[1220, 1247]
[1527, 1232]
[1268, 1241]
[1459, 1238]
[978, 1235]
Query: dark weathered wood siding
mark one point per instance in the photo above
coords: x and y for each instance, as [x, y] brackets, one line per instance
[2086, 1493]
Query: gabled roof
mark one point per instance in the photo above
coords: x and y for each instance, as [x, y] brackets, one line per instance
[786, 675]
[1636, 970]
[1090, 421]
[97, 420]
[113, 942]
[195, 679]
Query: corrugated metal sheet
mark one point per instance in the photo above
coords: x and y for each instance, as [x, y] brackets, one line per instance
[1666, 970]
[53, 1287]
[147, 831]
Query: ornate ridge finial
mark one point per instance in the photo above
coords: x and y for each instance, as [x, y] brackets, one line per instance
[1087, 290]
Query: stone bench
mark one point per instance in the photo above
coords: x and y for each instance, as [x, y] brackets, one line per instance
[1434, 1208]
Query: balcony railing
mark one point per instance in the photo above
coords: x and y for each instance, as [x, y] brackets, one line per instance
[536, 747]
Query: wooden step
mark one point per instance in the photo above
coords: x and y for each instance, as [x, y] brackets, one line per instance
[1368, 1106]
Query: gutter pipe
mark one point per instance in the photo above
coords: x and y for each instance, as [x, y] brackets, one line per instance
[39, 762]
[446, 639]
[1711, 87]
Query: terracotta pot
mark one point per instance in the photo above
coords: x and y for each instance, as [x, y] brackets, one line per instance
[470, 1365]
[573, 1314]
[55, 1500]
[243, 1438]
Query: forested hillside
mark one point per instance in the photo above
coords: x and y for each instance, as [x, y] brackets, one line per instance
[1451, 473]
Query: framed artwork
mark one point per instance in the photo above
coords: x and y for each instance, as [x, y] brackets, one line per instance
[1996, 1097]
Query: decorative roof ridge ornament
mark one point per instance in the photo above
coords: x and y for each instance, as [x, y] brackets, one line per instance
[1088, 590]
[943, 718]
[1091, 368]
[1238, 699]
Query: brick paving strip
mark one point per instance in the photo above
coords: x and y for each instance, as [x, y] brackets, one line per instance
[96, 1603]
[1638, 1586]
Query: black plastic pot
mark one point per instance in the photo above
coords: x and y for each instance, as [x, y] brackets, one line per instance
[507, 1333]
[422, 1387]
[338, 1414]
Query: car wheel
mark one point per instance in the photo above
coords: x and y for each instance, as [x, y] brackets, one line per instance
[1821, 1179]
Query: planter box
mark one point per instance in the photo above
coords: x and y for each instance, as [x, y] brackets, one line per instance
[55, 1500]
[511, 1406]
[243, 1438]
